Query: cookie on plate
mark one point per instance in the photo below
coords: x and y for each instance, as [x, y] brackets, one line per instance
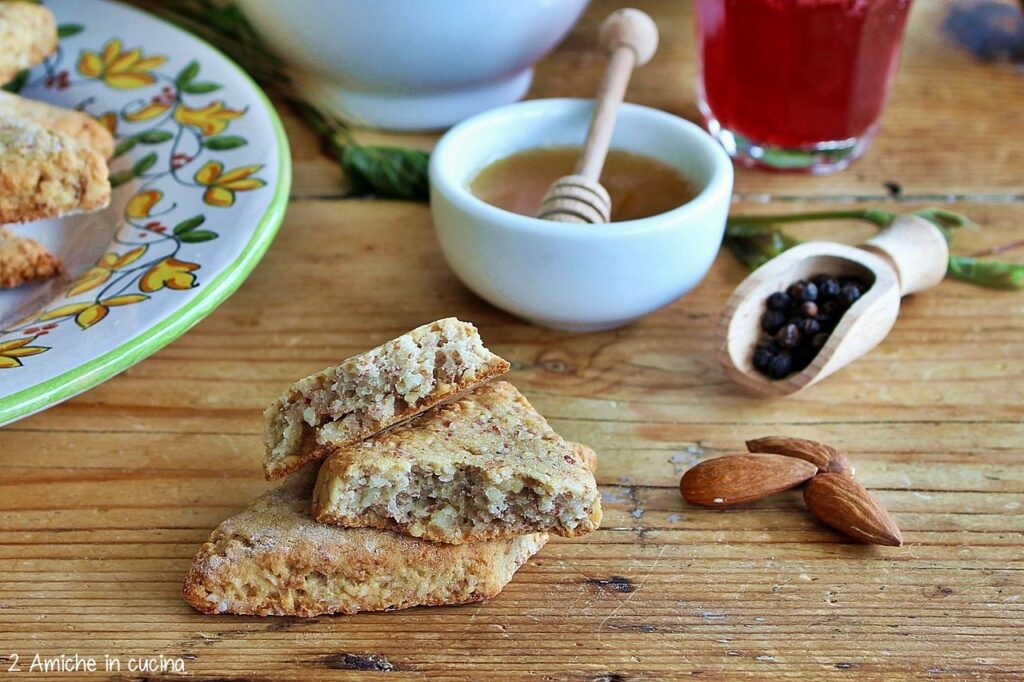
[28, 33]
[274, 559]
[483, 467]
[45, 174]
[370, 392]
[24, 260]
[78, 125]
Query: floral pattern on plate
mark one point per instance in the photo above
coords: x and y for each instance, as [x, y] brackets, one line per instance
[201, 176]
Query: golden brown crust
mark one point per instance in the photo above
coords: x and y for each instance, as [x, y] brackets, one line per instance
[373, 391]
[24, 260]
[78, 125]
[274, 559]
[28, 33]
[46, 175]
[486, 466]
[587, 454]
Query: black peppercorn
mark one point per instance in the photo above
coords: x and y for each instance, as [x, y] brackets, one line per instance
[778, 301]
[849, 294]
[763, 357]
[825, 323]
[808, 308]
[809, 327]
[810, 292]
[772, 321]
[780, 366]
[788, 336]
[828, 287]
[796, 290]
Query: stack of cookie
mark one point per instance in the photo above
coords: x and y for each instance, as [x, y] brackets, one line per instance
[52, 160]
[435, 484]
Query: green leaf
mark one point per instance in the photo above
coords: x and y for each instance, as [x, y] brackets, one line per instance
[126, 144]
[187, 74]
[199, 88]
[225, 142]
[144, 164]
[388, 172]
[121, 177]
[197, 236]
[17, 83]
[987, 273]
[756, 244]
[68, 30]
[189, 224]
[155, 136]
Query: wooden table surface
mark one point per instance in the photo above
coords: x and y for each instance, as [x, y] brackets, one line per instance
[106, 498]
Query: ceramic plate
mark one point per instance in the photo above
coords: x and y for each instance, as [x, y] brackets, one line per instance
[201, 177]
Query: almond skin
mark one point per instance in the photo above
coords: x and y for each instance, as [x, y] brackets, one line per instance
[847, 506]
[825, 457]
[734, 479]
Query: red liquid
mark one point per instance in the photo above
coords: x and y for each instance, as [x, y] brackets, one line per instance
[797, 73]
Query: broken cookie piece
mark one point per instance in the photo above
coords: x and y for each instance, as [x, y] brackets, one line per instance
[78, 125]
[28, 33]
[274, 559]
[370, 392]
[45, 174]
[24, 260]
[482, 467]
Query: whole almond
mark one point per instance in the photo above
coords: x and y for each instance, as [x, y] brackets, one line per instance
[847, 506]
[734, 479]
[825, 457]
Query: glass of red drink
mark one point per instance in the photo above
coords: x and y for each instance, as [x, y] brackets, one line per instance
[797, 84]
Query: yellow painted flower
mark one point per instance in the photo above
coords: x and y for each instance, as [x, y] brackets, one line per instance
[109, 121]
[89, 313]
[124, 69]
[142, 203]
[171, 273]
[10, 351]
[221, 186]
[108, 263]
[210, 120]
[152, 109]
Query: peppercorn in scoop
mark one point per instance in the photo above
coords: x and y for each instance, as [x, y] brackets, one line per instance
[798, 321]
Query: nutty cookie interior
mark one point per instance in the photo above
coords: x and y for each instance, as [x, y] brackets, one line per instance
[485, 466]
[374, 390]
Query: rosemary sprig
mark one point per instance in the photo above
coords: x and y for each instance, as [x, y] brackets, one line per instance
[378, 170]
[755, 240]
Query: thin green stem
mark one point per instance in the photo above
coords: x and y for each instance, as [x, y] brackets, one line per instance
[873, 215]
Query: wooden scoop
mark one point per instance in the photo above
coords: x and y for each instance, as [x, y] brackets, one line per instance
[909, 256]
[631, 37]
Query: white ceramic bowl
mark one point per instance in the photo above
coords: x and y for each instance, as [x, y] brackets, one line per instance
[571, 276]
[412, 64]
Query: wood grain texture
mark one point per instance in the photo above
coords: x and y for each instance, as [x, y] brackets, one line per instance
[105, 499]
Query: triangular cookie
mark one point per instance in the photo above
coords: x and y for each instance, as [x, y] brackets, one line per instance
[273, 559]
[370, 392]
[45, 174]
[483, 467]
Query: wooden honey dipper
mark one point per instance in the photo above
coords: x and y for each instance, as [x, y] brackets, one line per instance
[631, 37]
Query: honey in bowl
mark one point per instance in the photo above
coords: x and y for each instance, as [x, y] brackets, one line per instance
[639, 186]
